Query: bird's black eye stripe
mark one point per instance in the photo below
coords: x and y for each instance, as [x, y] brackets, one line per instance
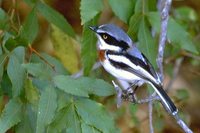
[113, 41]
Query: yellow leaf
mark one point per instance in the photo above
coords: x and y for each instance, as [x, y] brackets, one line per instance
[66, 49]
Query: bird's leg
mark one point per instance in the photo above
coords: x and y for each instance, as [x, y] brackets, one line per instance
[129, 93]
[119, 94]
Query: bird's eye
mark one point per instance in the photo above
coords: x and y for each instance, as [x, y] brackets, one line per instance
[105, 36]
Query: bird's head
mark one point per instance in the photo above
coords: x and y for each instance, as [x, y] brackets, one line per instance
[111, 37]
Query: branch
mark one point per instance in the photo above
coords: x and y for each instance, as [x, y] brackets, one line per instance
[163, 34]
[182, 124]
[151, 116]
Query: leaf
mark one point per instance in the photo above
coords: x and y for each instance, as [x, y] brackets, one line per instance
[60, 121]
[186, 13]
[182, 94]
[11, 115]
[46, 108]
[133, 108]
[54, 66]
[55, 18]
[73, 121]
[125, 10]
[3, 19]
[141, 6]
[83, 86]
[146, 42]
[88, 48]
[15, 71]
[69, 85]
[3, 59]
[66, 49]
[88, 129]
[31, 92]
[89, 9]
[176, 34]
[25, 125]
[134, 23]
[97, 86]
[154, 19]
[38, 70]
[94, 114]
[58, 66]
[30, 27]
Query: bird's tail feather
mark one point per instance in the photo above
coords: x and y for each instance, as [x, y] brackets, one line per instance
[165, 99]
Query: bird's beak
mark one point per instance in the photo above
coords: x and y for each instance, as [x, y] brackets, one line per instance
[93, 28]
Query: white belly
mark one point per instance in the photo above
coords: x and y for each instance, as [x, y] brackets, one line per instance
[119, 73]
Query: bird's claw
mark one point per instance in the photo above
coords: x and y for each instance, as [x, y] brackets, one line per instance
[123, 95]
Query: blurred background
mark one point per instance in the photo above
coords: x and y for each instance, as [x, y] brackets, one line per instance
[184, 90]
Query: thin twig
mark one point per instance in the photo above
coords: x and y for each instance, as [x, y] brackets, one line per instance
[39, 55]
[185, 53]
[151, 116]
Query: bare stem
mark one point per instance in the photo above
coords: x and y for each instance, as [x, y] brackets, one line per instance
[151, 116]
[163, 34]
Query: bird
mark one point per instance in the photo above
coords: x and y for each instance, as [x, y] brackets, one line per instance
[121, 58]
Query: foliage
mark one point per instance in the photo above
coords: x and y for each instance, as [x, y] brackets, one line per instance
[42, 94]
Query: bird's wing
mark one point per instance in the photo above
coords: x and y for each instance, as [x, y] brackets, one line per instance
[140, 59]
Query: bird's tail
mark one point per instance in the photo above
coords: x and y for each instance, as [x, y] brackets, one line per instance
[165, 99]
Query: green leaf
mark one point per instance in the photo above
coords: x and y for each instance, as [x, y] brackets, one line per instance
[88, 129]
[186, 13]
[73, 121]
[159, 124]
[84, 85]
[123, 8]
[97, 86]
[182, 94]
[54, 65]
[60, 121]
[154, 19]
[3, 58]
[25, 125]
[89, 9]
[46, 108]
[94, 114]
[15, 71]
[55, 18]
[88, 48]
[134, 24]
[31, 93]
[133, 108]
[3, 19]
[58, 66]
[11, 115]
[176, 34]
[70, 85]
[30, 27]
[146, 42]
[38, 70]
